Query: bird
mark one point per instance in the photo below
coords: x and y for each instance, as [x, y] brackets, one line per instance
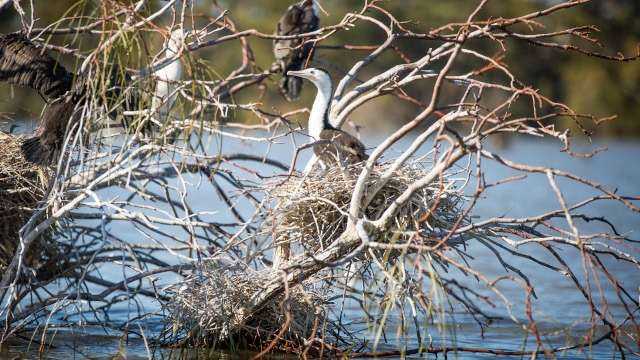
[24, 63]
[45, 145]
[164, 95]
[333, 146]
[292, 54]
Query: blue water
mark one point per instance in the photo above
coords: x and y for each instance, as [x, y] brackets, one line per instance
[558, 305]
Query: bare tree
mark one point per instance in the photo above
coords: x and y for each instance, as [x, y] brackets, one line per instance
[141, 168]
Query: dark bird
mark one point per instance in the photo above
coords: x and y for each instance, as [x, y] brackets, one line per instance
[334, 146]
[292, 54]
[45, 145]
[26, 64]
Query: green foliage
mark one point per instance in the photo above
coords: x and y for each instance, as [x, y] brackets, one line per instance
[589, 85]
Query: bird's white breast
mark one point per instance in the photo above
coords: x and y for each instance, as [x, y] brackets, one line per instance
[320, 106]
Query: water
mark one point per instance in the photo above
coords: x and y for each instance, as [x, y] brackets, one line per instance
[558, 305]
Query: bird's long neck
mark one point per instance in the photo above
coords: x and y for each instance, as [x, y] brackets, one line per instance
[173, 70]
[174, 43]
[319, 119]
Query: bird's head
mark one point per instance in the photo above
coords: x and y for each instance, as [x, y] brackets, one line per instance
[315, 6]
[319, 77]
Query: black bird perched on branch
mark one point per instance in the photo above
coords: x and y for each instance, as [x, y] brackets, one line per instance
[292, 54]
[26, 64]
[334, 146]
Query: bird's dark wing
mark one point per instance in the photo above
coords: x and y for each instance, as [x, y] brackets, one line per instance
[24, 63]
[337, 146]
[46, 144]
[291, 54]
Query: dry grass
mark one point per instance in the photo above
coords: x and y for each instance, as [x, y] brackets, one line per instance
[22, 186]
[208, 307]
[312, 212]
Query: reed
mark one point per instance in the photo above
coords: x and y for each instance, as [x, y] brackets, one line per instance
[207, 309]
[22, 186]
[312, 212]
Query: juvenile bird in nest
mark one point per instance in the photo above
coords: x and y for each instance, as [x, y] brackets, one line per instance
[334, 146]
[293, 54]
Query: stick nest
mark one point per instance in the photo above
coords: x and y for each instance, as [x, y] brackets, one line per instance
[22, 185]
[208, 310]
[312, 211]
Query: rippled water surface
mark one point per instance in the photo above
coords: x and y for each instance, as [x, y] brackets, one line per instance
[558, 305]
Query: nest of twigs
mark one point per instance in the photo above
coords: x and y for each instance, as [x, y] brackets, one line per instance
[208, 310]
[312, 211]
[22, 186]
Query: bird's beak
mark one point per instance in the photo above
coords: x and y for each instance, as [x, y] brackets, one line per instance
[301, 74]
